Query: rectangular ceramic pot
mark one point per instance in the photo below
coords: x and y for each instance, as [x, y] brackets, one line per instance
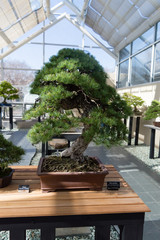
[52, 181]
[5, 181]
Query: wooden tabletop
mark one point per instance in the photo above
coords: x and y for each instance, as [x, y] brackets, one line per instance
[35, 203]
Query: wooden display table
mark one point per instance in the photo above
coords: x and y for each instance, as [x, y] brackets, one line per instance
[47, 211]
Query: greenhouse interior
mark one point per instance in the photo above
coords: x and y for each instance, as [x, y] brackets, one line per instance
[80, 77]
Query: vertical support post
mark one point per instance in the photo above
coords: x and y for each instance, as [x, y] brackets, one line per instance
[17, 233]
[125, 121]
[0, 117]
[11, 117]
[132, 232]
[43, 149]
[47, 148]
[152, 143]
[47, 232]
[130, 130]
[137, 130]
[102, 232]
[159, 150]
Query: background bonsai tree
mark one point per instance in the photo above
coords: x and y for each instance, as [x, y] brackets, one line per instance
[75, 80]
[9, 154]
[7, 91]
[134, 102]
[153, 111]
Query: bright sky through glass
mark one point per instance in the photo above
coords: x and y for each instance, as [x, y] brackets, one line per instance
[62, 33]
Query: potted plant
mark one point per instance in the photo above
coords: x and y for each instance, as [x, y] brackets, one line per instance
[153, 112]
[9, 153]
[75, 80]
[135, 102]
[8, 92]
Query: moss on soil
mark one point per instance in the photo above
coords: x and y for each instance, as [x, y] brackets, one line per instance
[61, 164]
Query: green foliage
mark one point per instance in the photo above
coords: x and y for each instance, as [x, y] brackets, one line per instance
[7, 91]
[9, 153]
[153, 111]
[75, 80]
[75, 60]
[133, 101]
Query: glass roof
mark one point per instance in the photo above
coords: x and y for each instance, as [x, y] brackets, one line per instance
[116, 22]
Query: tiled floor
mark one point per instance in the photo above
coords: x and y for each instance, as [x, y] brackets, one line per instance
[19, 138]
[143, 181]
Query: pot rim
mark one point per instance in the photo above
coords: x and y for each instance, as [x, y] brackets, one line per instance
[103, 172]
[8, 174]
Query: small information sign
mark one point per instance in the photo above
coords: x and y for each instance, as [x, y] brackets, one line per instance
[23, 188]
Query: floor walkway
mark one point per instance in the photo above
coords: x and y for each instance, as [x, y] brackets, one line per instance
[142, 180]
[19, 138]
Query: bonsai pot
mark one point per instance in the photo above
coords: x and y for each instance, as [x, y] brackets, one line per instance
[52, 181]
[6, 180]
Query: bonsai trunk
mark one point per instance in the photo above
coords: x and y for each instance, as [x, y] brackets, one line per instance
[77, 148]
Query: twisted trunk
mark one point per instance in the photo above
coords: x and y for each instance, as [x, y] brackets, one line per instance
[76, 150]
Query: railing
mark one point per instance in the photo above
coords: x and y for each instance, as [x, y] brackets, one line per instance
[19, 108]
[10, 111]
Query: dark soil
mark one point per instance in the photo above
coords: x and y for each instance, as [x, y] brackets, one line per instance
[61, 164]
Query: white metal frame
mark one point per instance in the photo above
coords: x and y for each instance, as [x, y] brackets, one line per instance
[77, 21]
[153, 46]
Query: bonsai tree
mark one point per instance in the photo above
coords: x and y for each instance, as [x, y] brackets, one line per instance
[153, 111]
[134, 102]
[7, 91]
[9, 153]
[75, 80]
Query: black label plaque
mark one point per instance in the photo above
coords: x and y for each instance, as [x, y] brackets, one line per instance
[23, 188]
[113, 185]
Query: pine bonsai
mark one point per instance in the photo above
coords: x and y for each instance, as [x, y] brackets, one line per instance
[134, 102]
[75, 80]
[7, 91]
[153, 111]
[9, 153]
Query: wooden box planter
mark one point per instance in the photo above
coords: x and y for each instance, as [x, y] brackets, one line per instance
[52, 181]
[5, 181]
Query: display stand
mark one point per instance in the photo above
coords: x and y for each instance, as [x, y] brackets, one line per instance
[4, 105]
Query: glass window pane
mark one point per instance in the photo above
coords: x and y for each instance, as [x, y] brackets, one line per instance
[75, 233]
[30, 54]
[4, 235]
[20, 79]
[144, 40]
[33, 234]
[157, 64]
[123, 74]
[158, 31]
[124, 53]
[141, 65]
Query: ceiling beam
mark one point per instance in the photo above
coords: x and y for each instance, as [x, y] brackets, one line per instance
[84, 8]
[6, 39]
[148, 23]
[83, 30]
[28, 39]
[47, 5]
[72, 7]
